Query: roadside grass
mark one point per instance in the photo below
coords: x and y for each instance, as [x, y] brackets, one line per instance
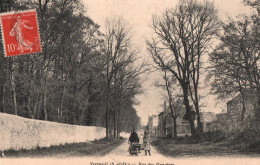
[169, 147]
[247, 140]
[94, 148]
[244, 143]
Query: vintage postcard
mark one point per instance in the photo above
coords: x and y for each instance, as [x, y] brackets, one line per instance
[130, 82]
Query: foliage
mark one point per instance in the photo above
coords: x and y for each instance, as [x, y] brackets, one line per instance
[235, 61]
[66, 81]
[215, 136]
[245, 140]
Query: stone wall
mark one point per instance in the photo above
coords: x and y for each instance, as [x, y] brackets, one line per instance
[22, 133]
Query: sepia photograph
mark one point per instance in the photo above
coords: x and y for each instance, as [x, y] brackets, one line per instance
[129, 82]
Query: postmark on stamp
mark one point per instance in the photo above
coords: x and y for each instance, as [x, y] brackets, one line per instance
[20, 33]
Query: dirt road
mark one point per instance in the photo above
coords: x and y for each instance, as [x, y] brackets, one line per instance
[120, 156]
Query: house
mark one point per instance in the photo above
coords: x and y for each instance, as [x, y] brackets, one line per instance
[183, 126]
[235, 107]
[153, 125]
[205, 118]
[165, 123]
[219, 124]
[161, 125]
[233, 119]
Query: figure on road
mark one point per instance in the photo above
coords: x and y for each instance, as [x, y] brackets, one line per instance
[133, 138]
[146, 141]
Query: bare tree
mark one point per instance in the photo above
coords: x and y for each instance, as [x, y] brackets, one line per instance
[119, 53]
[127, 84]
[182, 36]
[173, 97]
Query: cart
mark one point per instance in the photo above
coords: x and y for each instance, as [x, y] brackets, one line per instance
[135, 148]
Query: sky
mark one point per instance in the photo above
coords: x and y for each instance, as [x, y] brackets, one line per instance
[138, 13]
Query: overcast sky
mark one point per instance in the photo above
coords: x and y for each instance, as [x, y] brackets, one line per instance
[138, 13]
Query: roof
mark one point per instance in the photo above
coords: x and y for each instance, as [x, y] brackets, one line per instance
[161, 113]
[208, 117]
[248, 92]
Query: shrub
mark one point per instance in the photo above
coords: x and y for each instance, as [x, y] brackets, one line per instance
[215, 136]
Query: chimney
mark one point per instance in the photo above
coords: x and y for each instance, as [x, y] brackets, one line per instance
[164, 106]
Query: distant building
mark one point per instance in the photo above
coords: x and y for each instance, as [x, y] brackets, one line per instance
[161, 125]
[219, 124]
[235, 107]
[232, 119]
[183, 126]
[153, 125]
[205, 118]
[165, 123]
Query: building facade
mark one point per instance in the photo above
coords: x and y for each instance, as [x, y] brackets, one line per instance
[166, 124]
[152, 125]
[235, 118]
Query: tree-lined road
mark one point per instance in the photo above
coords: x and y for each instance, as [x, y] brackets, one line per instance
[120, 156]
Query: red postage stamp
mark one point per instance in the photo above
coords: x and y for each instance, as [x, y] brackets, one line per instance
[20, 33]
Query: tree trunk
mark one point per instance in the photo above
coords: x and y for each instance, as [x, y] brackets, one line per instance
[118, 123]
[175, 128]
[28, 105]
[2, 85]
[199, 125]
[107, 115]
[45, 99]
[2, 98]
[188, 110]
[257, 112]
[196, 104]
[243, 106]
[82, 115]
[35, 108]
[14, 96]
[67, 111]
[74, 119]
[62, 100]
[13, 86]
[63, 91]
[114, 122]
[39, 106]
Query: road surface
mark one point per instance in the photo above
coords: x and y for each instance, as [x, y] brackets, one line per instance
[120, 156]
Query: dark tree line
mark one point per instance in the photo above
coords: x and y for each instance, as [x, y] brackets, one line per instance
[82, 76]
[235, 61]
